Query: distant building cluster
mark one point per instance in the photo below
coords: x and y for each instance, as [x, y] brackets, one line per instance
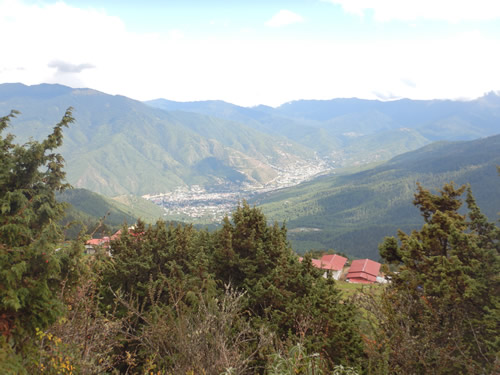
[93, 244]
[361, 271]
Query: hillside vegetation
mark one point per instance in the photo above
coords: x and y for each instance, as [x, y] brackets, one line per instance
[122, 146]
[352, 213]
[353, 131]
[170, 299]
[90, 209]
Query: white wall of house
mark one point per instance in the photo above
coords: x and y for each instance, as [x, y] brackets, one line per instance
[333, 274]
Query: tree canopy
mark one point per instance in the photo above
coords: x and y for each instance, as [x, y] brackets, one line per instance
[31, 268]
[443, 306]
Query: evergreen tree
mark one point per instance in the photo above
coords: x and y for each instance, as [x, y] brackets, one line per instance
[167, 255]
[442, 310]
[156, 277]
[288, 297]
[31, 269]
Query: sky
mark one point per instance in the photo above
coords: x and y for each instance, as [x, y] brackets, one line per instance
[255, 52]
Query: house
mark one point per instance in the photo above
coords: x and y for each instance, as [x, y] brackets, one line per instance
[92, 244]
[332, 264]
[363, 271]
[105, 242]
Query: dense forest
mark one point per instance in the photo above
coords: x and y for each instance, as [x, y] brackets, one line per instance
[172, 299]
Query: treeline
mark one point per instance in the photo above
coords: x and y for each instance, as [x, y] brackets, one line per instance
[173, 299]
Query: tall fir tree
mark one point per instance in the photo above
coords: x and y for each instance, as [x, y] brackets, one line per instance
[442, 310]
[287, 296]
[31, 268]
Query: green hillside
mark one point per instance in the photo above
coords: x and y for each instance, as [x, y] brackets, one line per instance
[121, 146]
[438, 119]
[353, 212]
[88, 208]
[354, 130]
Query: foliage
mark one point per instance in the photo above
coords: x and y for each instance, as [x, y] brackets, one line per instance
[169, 257]
[212, 338]
[296, 361]
[353, 212]
[441, 312]
[91, 337]
[169, 288]
[52, 357]
[33, 264]
[288, 295]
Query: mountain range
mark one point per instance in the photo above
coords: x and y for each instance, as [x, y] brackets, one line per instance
[118, 145]
[355, 130]
[122, 146]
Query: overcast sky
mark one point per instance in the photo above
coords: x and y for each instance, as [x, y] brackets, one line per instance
[255, 52]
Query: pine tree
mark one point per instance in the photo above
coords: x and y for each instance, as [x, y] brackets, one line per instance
[443, 307]
[288, 297]
[31, 269]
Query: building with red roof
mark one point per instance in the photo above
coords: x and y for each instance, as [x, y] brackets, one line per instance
[363, 271]
[332, 264]
[105, 242]
[92, 244]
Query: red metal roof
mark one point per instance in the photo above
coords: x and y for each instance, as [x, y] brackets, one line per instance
[94, 242]
[333, 262]
[98, 241]
[116, 235]
[365, 265]
[363, 271]
[328, 262]
[316, 263]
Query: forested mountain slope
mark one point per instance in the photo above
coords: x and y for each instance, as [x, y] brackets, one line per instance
[356, 130]
[89, 209]
[122, 146]
[352, 213]
[118, 145]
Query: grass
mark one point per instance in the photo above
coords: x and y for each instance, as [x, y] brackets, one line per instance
[351, 289]
[367, 318]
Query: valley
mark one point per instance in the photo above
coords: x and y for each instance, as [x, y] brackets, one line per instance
[198, 204]
[309, 163]
[250, 187]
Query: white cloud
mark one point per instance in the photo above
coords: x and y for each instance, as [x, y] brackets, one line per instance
[88, 48]
[284, 17]
[407, 10]
[64, 67]
[176, 34]
[39, 38]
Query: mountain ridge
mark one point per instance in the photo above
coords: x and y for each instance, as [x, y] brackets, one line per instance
[117, 144]
[352, 213]
[120, 146]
